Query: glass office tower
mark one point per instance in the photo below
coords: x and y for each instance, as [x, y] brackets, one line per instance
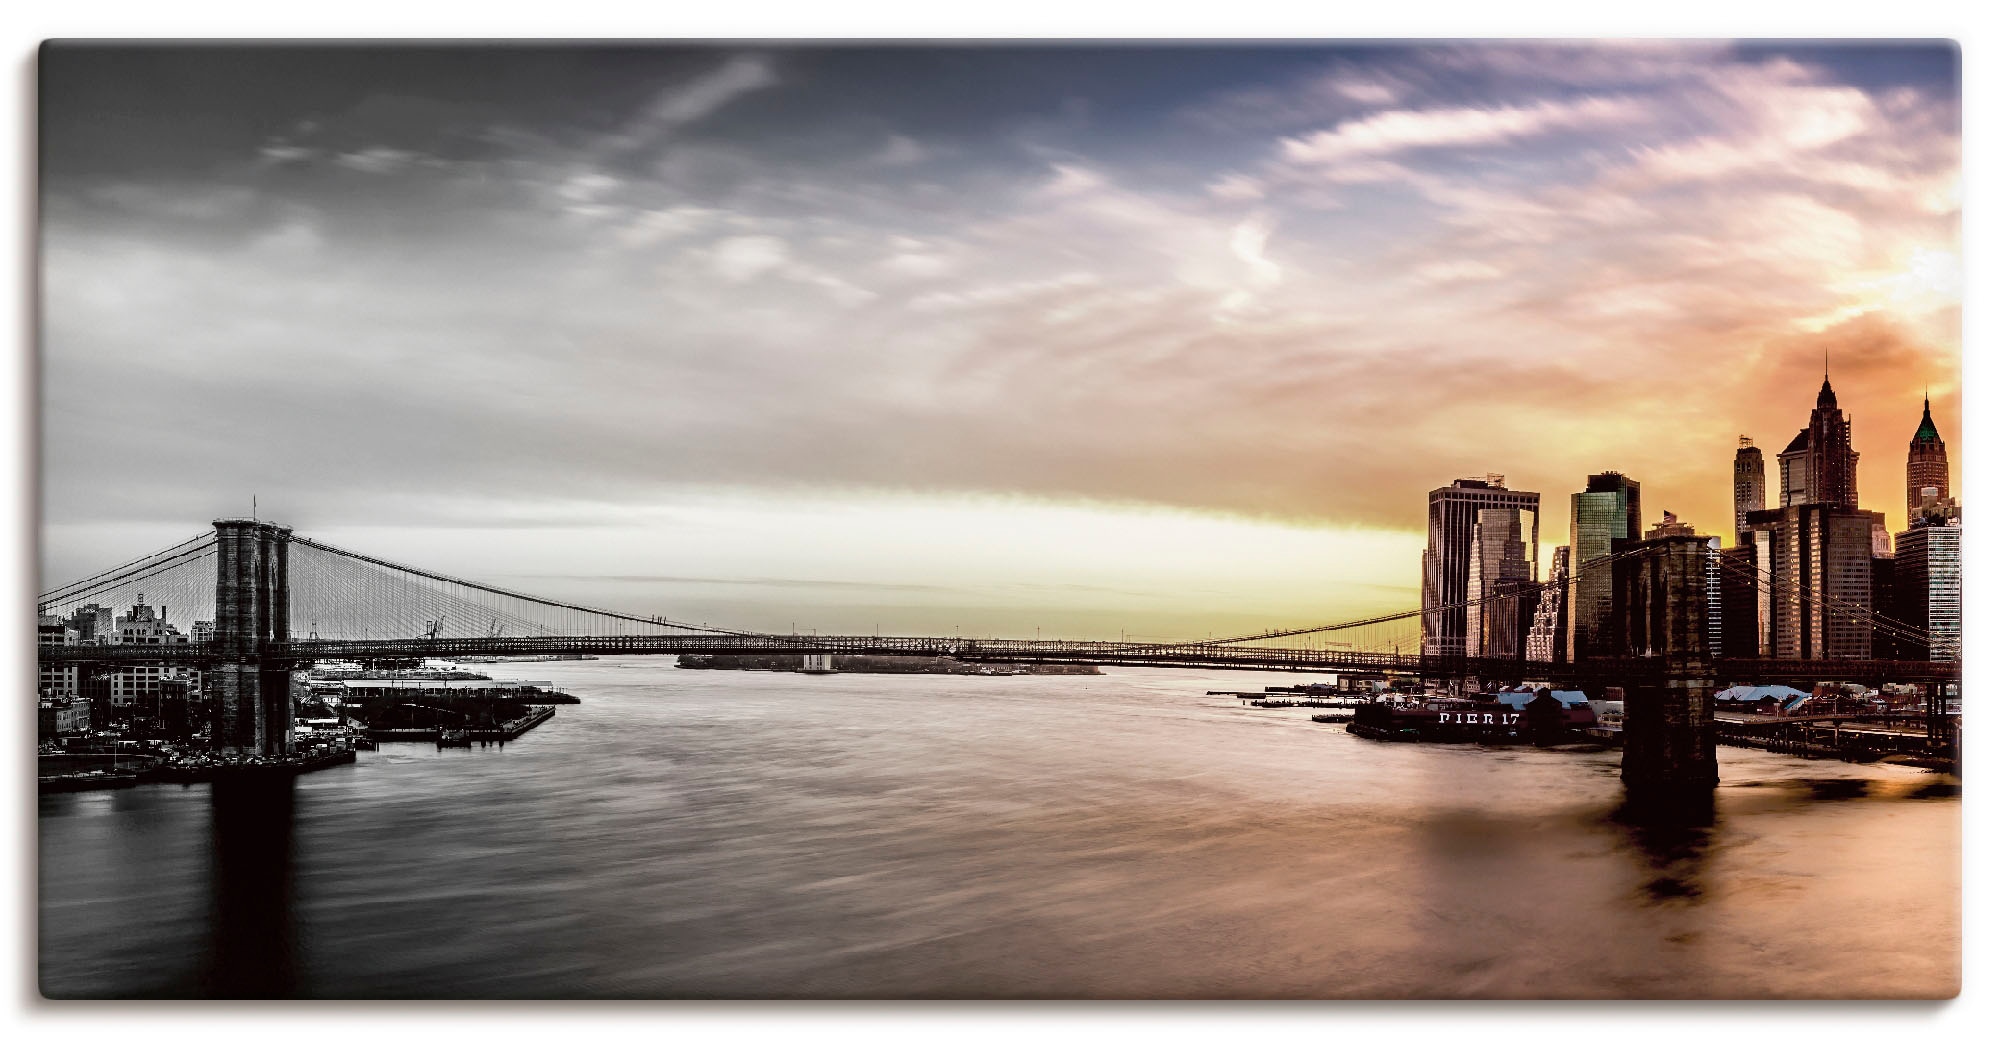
[1607, 510]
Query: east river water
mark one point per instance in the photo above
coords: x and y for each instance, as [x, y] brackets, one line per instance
[698, 833]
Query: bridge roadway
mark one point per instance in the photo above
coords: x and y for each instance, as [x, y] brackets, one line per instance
[1000, 650]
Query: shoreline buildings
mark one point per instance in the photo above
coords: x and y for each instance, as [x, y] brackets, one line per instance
[1809, 576]
[162, 692]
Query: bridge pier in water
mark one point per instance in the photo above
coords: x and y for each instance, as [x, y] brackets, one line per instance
[1670, 731]
[252, 939]
[252, 692]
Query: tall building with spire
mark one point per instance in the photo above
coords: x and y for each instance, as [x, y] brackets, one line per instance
[1749, 482]
[1927, 466]
[1818, 466]
[1812, 557]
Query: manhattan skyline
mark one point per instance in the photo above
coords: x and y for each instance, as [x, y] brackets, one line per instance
[989, 336]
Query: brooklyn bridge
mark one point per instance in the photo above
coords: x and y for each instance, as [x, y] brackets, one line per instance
[267, 601]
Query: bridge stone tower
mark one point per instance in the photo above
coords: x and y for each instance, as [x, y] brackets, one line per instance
[252, 692]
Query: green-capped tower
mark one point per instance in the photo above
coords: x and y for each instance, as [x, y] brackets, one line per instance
[1927, 467]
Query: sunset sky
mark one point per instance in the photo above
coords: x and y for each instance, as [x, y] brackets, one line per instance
[1159, 340]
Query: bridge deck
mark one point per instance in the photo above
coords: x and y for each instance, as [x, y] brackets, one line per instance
[1124, 654]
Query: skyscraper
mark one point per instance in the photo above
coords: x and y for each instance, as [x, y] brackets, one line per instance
[1606, 510]
[1749, 481]
[1815, 572]
[1498, 562]
[1548, 631]
[1817, 549]
[1928, 584]
[1818, 466]
[1927, 466]
[1454, 512]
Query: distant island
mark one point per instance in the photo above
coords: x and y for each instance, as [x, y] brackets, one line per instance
[825, 664]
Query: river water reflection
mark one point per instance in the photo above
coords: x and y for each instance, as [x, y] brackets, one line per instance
[688, 833]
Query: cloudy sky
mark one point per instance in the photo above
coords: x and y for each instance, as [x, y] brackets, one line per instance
[1155, 339]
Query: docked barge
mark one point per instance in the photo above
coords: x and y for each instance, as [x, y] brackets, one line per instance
[1544, 720]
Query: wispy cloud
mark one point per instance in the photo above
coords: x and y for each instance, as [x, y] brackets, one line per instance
[686, 103]
[376, 160]
[1388, 133]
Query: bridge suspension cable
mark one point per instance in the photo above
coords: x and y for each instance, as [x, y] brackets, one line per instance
[1852, 612]
[1409, 614]
[135, 564]
[1771, 583]
[179, 580]
[341, 594]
